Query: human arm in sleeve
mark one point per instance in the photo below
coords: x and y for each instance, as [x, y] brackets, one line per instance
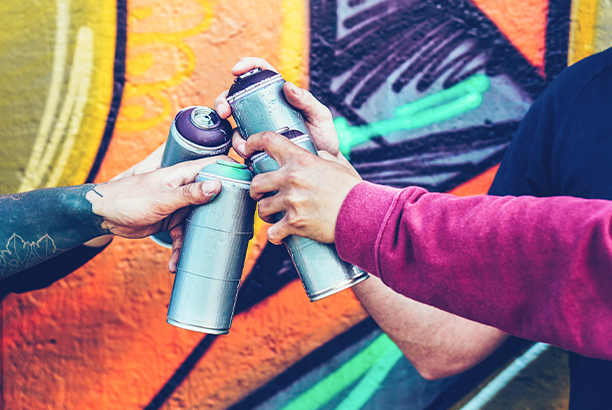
[437, 343]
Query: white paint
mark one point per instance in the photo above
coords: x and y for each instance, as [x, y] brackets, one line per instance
[76, 99]
[33, 170]
[502, 379]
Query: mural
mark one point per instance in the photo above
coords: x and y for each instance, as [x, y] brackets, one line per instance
[422, 92]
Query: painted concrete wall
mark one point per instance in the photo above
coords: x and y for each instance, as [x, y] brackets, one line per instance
[89, 88]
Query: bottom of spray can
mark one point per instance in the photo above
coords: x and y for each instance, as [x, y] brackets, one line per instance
[163, 238]
[195, 328]
[339, 287]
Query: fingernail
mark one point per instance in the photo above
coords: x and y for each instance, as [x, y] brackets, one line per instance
[294, 89]
[172, 266]
[209, 188]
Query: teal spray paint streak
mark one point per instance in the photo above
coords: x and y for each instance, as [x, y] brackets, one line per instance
[367, 387]
[335, 383]
[446, 104]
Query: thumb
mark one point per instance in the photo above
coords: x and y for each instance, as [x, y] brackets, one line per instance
[196, 193]
[318, 117]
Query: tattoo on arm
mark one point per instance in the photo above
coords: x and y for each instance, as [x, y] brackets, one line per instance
[38, 225]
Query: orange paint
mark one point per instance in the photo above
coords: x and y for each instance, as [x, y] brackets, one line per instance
[478, 185]
[523, 23]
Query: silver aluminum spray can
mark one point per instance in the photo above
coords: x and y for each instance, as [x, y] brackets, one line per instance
[195, 133]
[258, 104]
[214, 249]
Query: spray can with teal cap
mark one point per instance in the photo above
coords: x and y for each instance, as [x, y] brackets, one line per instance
[213, 254]
[258, 104]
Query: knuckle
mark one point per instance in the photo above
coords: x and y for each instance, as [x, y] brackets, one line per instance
[296, 178]
[268, 136]
[296, 220]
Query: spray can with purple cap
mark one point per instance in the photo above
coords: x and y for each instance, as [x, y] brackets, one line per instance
[195, 133]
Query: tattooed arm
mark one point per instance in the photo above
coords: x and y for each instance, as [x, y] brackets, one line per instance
[40, 224]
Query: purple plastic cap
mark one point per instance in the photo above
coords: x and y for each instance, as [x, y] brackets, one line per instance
[249, 78]
[203, 126]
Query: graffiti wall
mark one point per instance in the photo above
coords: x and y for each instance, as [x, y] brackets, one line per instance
[423, 92]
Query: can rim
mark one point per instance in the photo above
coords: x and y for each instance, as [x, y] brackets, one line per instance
[248, 90]
[196, 328]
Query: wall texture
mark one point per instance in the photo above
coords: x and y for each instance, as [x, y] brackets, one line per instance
[89, 88]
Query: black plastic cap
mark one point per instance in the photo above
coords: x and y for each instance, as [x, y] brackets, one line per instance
[246, 80]
[291, 134]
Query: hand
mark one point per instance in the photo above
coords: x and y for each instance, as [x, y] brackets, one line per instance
[152, 202]
[150, 163]
[317, 116]
[309, 189]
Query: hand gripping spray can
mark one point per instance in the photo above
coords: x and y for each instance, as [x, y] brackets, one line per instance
[195, 133]
[214, 249]
[258, 104]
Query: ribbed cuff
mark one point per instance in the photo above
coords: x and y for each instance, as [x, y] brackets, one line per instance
[360, 222]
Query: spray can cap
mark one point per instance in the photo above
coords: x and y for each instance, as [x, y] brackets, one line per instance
[228, 169]
[203, 126]
[246, 80]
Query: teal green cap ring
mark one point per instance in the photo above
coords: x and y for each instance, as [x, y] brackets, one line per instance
[229, 169]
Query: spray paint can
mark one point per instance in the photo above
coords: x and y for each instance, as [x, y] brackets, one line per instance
[258, 104]
[195, 133]
[214, 249]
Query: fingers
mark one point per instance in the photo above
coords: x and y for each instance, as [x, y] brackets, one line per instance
[186, 172]
[222, 106]
[197, 193]
[270, 209]
[238, 144]
[246, 64]
[177, 236]
[277, 146]
[278, 232]
[318, 117]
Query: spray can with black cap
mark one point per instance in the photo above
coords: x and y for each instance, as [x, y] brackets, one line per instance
[258, 104]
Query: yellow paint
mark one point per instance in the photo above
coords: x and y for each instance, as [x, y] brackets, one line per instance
[582, 29]
[155, 90]
[140, 64]
[68, 138]
[140, 13]
[133, 111]
[294, 40]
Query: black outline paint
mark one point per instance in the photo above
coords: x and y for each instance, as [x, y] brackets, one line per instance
[118, 84]
[557, 37]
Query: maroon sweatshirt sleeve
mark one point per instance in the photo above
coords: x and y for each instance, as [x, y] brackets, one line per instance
[538, 268]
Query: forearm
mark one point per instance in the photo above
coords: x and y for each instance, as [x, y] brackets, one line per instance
[538, 268]
[39, 225]
[437, 343]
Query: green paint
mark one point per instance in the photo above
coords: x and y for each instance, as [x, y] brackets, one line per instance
[229, 169]
[367, 386]
[335, 383]
[446, 104]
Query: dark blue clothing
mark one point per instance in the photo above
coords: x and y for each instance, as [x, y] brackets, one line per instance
[563, 147]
